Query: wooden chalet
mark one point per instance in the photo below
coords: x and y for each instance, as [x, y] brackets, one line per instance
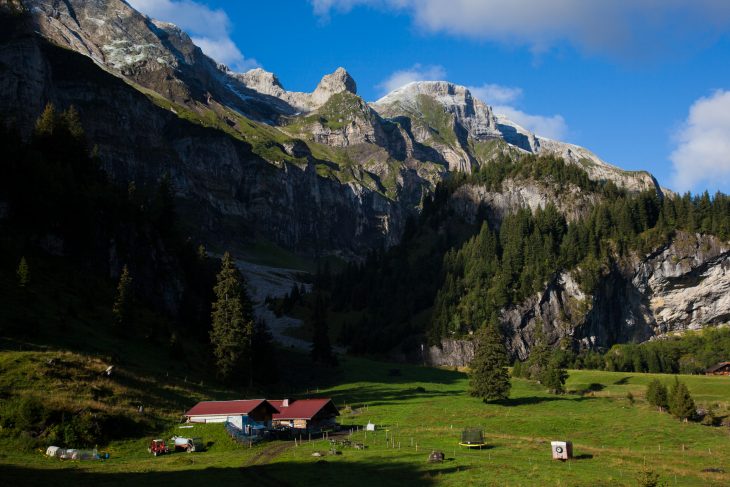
[240, 413]
[305, 414]
[722, 368]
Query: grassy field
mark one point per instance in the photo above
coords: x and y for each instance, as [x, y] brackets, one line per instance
[422, 409]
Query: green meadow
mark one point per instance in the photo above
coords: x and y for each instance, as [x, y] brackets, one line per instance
[417, 410]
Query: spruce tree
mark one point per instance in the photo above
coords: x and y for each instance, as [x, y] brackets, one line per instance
[46, 123]
[232, 327]
[553, 376]
[681, 404]
[72, 121]
[656, 395]
[23, 273]
[488, 376]
[321, 347]
[539, 358]
[517, 369]
[122, 302]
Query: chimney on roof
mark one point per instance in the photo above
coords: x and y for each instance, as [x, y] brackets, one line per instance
[285, 403]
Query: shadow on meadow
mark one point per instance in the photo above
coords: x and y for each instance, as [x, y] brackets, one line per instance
[530, 400]
[377, 395]
[280, 474]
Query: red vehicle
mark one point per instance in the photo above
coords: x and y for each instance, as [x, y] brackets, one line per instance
[158, 447]
[177, 443]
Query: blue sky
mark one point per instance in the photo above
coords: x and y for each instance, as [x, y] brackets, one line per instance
[642, 83]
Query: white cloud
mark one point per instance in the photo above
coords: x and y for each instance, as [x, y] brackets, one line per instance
[702, 156]
[417, 72]
[209, 29]
[552, 127]
[626, 28]
[492, 94]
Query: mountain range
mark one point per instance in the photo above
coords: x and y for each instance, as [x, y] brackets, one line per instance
[326, 172]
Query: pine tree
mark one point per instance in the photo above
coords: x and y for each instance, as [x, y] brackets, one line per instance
[23, 273]
[656, 395]
[554, 375]
[321, 347]
[539, 357]
[488, 376]
[232, 327]
[517, 369]
[681, 404]
[46, 123]
[72, 121]
[122, 303]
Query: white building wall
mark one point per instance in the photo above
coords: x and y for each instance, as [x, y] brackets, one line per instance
[208, 419]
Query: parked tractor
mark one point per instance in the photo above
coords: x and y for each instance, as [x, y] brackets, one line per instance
[157, 447]
[176, 443]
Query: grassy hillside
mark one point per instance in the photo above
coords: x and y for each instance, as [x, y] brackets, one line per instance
[614, 441]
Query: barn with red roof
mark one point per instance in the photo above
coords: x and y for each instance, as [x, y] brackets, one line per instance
[256, 413]
[308, 414]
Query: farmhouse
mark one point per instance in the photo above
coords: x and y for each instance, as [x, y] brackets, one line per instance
[307, 414]
[722, 368]
[244, 414]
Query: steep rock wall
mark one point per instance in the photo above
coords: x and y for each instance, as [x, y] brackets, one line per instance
[684, 285]
[228, 195]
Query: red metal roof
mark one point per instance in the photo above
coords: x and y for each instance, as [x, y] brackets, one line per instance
[301, 408]
[244, 407]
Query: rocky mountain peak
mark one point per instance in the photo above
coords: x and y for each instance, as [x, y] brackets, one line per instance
[262, 81]
[480, 123]
[472, 114]
[331, 84]
[268, 84]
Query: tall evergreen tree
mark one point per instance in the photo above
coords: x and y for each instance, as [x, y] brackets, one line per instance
[554, 375]
[232, 328]
[488, 376]
[23, 273]
[123, 301]
[681, 404]
[46, 123]
[656, 395]
[321, 347]
[539, 358]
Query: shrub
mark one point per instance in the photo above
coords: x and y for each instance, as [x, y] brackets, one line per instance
[83, 430]
[657, 395]
[681, 404]
[710, 419]
[649, 478]
[24, 414]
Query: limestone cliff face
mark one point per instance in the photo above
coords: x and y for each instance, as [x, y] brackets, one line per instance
[227, 194]
[471, 200]
[155, 55]
[684, 285]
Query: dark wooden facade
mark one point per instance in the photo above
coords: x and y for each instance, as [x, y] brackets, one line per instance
[722, 368]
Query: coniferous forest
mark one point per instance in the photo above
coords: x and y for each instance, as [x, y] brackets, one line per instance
[447, 276]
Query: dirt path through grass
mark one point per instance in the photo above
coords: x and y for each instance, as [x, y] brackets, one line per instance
[253, 468]
[266, 455]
